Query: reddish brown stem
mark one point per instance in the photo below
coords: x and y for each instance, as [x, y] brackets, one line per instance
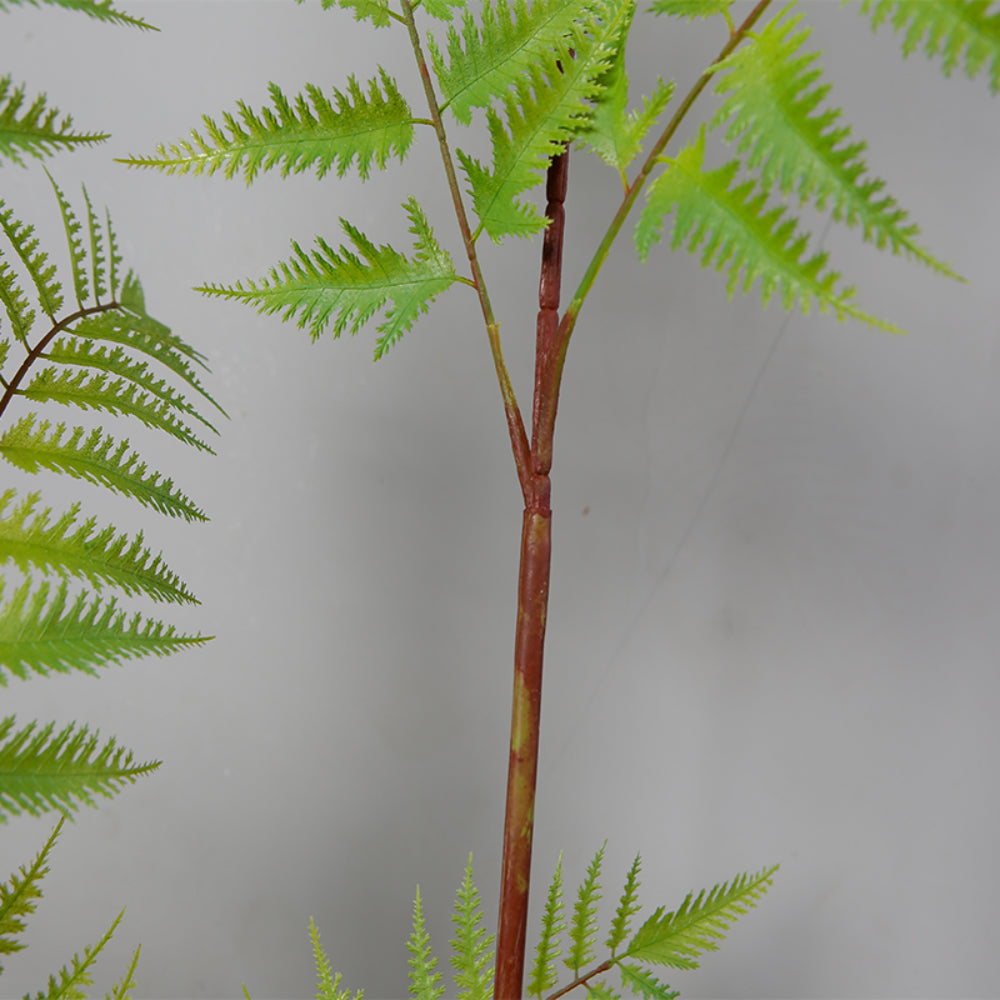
[532, 609]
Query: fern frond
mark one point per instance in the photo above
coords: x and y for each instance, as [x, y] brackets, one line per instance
[119, 396]
[40, 771]
[957, 31]
[114, 256]
[20, 894]
[597, 989]
[742, 235]
[297, 134]
[139, 332]
[583, 926]
[77, 254]
[773, 96]
[543, 972]
[471, 955]
[546, 106]
[41, 631]
[327, 985]
[443, 10]
[100, 10]
[30, 540]
[35, 261]
[628, 906]
[613, 133]
[425, 983]
[642, 983]
[486, 59]
[121, 989]
[70, 981]
[96, 458]
[690, 9]
[35, 128]
[82, 351]
[339, 286]
[19, 312]
[97, 263]
[676, 939]
[376, 11]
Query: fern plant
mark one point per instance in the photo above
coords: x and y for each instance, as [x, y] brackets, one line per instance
[540, 79]
[92, 346]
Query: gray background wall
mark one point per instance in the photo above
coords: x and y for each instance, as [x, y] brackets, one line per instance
[773, 633]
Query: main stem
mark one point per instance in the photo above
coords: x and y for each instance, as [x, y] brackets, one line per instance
[532, 609]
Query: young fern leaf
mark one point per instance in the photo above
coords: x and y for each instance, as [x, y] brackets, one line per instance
[297, 134]
[443, 10]
[583, 926]
[487, 59]
[40, 771]
[97, 458]
[613, 133]
[31, 541]
[71, 980]
[678, 938]
[19, 312]
[956, 30]
[20, 894]
[327, 984]
[376, 11]
[543, 972]
[35, 261]
[598, 990]
[35, 129]
[100, 10]
[425, 983]
[642, 983]
[471, 956]
[772, 96]
[547, 105]
[691, 9]
[114, 256]
[121, 989]
[341, 286]
[77, 254]
[628, 906]
[41, 631]
[742, 235]
[98, 274]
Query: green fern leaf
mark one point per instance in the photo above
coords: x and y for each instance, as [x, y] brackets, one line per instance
[543, 972]
[771, 108]
[71, 980]
[425, 983]
[120, 396]
[15, 303]
[955, 30]
[487, 59]
[97, 458]
[35, 129]
[100, 10]
[77, 254]
[690, 9]
[35, 261]
[471, 955]
[740, 233]
[676, 939]
[613, 133]
[642, 983]
[114, 256]
[376, 11]
[20, 894]
[295, 135]
[40, 771]
[41, 631]
[546, 106]
[121, 989]
[583, 926]
[328, 985]
[328, 284]
[628, 906]
[98, 264]
[30, 540]
[599, 990]
[443, 10]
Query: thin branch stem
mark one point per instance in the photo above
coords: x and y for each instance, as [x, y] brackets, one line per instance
[515, 422]
[596, 971]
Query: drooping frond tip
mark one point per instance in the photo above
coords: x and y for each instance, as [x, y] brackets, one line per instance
[99, 10]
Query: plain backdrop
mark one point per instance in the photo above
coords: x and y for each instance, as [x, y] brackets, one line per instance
[773, 633]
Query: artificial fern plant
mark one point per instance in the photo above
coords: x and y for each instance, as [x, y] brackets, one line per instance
[82, 341]
[542, 80]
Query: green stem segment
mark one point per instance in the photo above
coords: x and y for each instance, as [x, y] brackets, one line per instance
[532, 610]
